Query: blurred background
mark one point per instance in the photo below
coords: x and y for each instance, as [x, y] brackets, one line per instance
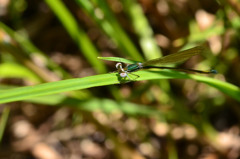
[45, 41]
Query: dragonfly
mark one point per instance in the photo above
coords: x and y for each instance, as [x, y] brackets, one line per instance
[169, 59]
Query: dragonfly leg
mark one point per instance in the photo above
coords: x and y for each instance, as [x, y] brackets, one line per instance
[137, 76]
[128, 76]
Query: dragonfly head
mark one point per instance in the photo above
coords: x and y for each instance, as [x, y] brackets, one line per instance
[122, 73]
[119, 67]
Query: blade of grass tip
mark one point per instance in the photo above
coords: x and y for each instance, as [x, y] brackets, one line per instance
[123, 40]
[77, 34]
[225, 87]
[143, 29]
[117, 59]
[3, 121]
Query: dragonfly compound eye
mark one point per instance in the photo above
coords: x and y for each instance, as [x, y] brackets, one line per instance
[118, 65]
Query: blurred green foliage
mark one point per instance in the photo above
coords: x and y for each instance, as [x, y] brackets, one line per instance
[51, 46]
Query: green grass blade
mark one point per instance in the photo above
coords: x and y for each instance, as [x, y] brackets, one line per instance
[93, 104]
[197, 35]
[28, 92]
[118, 33]
[142, 28]
[103, 23]
[57, 87]
[225, 87]
[77, 34]
[13, 70]
[117, 59]
[31, 50]
[3, 121]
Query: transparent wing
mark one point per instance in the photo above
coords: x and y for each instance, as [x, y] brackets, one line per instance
[176, 57]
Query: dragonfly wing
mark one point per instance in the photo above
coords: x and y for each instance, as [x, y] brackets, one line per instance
[176, 57]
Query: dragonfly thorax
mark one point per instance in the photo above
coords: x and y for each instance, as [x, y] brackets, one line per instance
[134, 67]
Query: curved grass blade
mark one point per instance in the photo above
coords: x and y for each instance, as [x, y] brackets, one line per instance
[117, 33]
[29, 92]
[77, 33]
[117, 59]
[17, 71]
[93, 104]
[225, 87]
[142, 28]
[3, 121]
[110, 26]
